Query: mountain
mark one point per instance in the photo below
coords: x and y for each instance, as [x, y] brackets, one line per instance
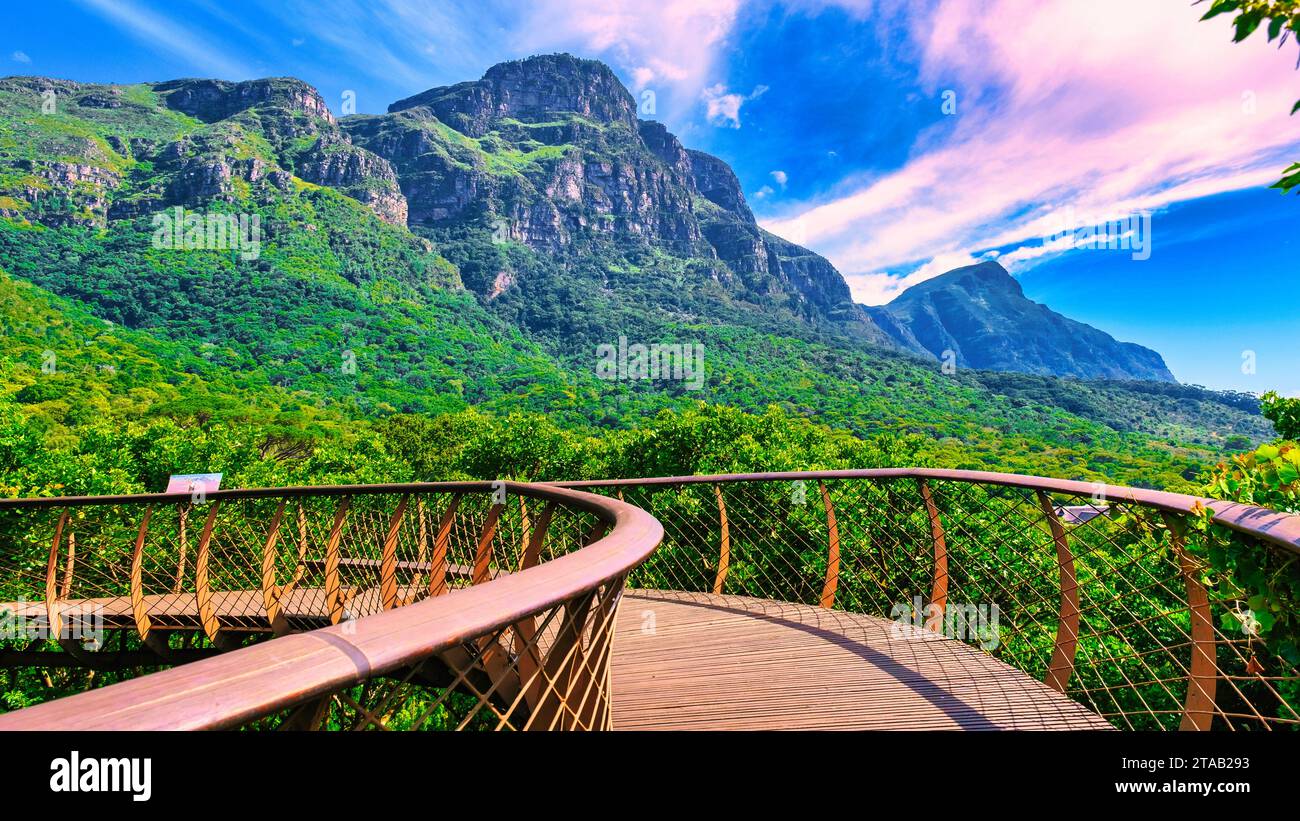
[978, 317]
[467, 250]
[337, 300]
[548, 153]
[535, 183]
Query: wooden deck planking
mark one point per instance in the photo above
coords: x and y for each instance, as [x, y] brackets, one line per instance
[238, 609]
[734, 663]
[698, 661]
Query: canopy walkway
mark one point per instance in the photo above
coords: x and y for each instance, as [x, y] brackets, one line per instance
[869, 599]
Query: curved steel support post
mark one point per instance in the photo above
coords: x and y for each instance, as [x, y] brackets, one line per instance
[203, 586]
[388, 557]
[272, 593]
[1202, 678]
[139, 612]
[334, 597]
[832, 551]
[483, 553]
[939, 584]
[438, 564]
[1061, 667]
[724, 552]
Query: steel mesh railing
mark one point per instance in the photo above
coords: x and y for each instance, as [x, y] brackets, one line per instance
[109, 588]
[1100, 592]
[477, 606]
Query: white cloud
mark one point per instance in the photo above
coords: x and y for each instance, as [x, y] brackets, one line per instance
[165, 35]
[672, 44]
[781, 178]
[670, 47]
[21, 57]
[722, 107]
[877, 290]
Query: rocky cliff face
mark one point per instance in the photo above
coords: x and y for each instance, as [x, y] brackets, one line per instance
[306, 140]
[235, 141]
[214, 100]
[717, 183]
[334, 162]
[980, 314]
[548, 152]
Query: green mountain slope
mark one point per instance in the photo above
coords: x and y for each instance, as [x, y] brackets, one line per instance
[979, 317]
[470, 249]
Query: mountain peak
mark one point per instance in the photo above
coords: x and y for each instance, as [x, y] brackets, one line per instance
[560, 65]
[985, 277]
[530, 90]
[979, 314]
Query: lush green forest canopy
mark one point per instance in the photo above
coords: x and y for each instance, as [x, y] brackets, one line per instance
[68, 371]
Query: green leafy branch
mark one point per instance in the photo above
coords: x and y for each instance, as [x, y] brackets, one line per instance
[1284, 413]
[1267, 580]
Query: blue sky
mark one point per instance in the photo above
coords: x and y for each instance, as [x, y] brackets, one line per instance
[833, 115]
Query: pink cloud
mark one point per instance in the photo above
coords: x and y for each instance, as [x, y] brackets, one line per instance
[1106, 107]
[672, 43]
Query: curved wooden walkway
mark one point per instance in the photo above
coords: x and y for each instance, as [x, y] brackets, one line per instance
[697, 661]
[693, 661]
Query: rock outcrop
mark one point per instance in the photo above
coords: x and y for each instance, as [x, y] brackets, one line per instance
[549, 153]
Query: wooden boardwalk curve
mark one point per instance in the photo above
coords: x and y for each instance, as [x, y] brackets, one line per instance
[701, 661]
[695, 661]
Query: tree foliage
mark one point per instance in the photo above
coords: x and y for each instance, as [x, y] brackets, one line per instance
[1283, 413]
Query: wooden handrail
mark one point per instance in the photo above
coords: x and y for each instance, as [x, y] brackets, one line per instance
[1281, 529]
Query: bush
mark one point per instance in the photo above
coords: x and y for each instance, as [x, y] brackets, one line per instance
[1267, 580]
[1283, 413]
